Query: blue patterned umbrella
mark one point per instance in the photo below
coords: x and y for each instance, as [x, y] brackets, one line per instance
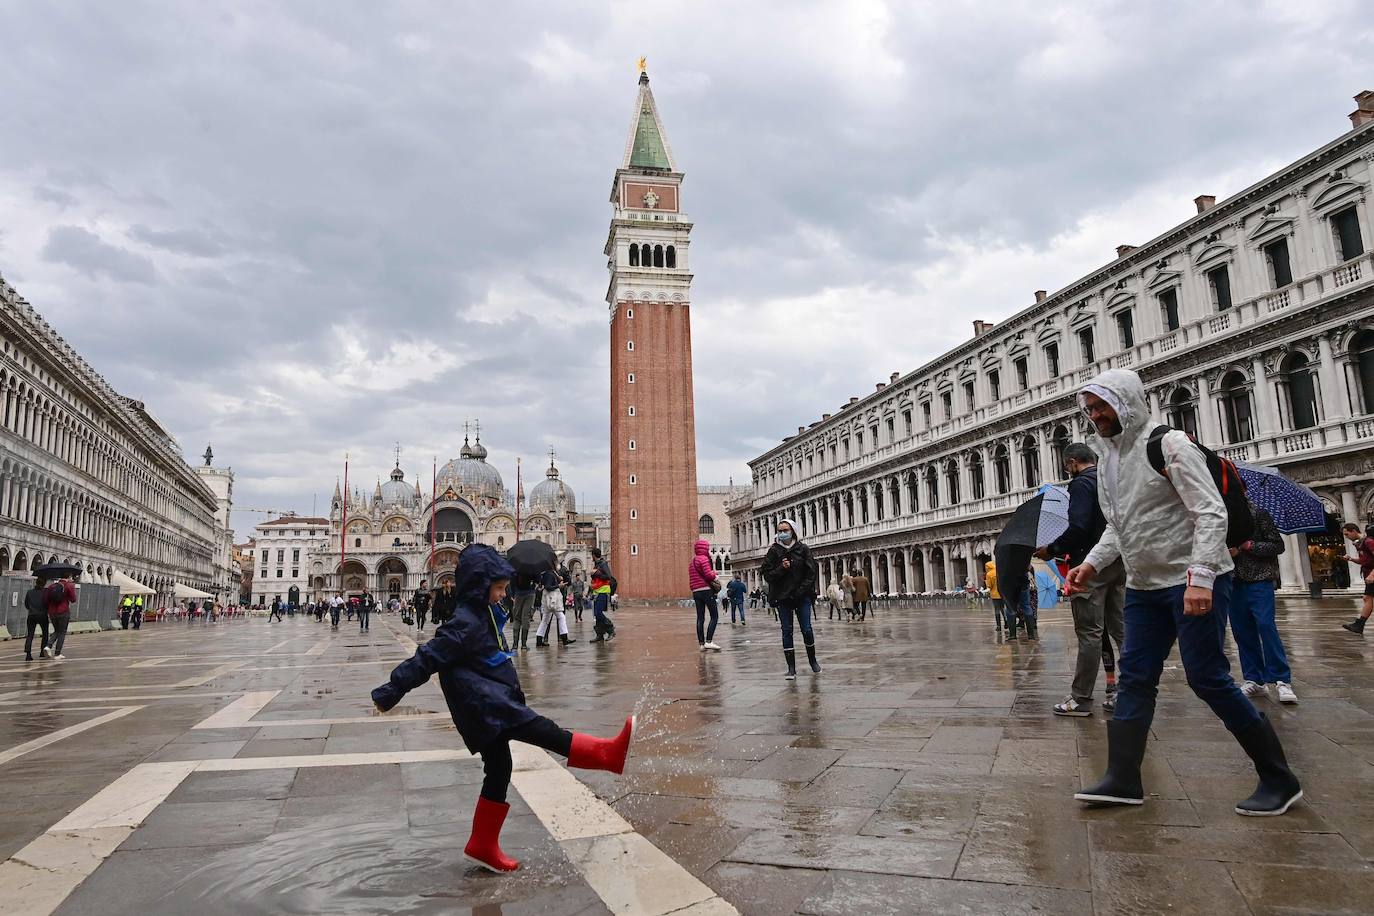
[1293, 507]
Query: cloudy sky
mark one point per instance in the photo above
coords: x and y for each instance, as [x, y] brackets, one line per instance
[302, 228]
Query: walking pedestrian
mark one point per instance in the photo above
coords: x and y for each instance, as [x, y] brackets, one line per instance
[522, 589]
[791, 575]
[1170, 530]
[734, 593]
[847, 587]
[422, 599]
[1262, 658]
[336, 606]
[1364, 548]
[702, 579]
[276, 611]
[579, 593]
[445, 603]
[603, 589]
[1002, 615]
[551, 607]
[1099, 606]
[366, 606]
[126, 611]
[61, 597]
[862, 593]
[482, 690]
[36, 603]
[138, 612]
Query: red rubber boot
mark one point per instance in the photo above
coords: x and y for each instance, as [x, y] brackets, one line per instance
[484, 847]
[590, 753]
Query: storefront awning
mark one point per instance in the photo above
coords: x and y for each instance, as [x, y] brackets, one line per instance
[130, 586]
[185, 591]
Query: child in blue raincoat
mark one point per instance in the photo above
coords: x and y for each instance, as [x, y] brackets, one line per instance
[470, 655]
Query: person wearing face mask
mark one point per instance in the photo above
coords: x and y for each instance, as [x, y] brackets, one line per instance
[791, 576]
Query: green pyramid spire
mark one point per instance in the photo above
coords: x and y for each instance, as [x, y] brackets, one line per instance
[648, 149]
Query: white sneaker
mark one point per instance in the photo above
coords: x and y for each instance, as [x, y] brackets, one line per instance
[46, 652]
[712, 646]
[1286, 694]
[1251, 689]
[60, 658]
[701, 647]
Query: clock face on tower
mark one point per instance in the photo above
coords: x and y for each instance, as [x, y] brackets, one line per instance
[650, 199]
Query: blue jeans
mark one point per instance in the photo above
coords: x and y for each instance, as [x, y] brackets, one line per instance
[802, 608]
[599, 604]
[1262, 658]
[736, 605]
[1154, 620]
[706, 600]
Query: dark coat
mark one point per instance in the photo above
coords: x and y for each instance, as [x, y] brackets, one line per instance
[1086, 521]
[795, 583]
[469, 654]
[444, 604]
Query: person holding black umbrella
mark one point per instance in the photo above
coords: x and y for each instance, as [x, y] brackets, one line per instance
[36, 603]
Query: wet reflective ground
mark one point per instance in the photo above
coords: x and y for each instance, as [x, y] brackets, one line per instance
[920, 772]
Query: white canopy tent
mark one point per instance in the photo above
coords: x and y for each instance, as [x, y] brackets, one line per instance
[128, 585]
[181, 590]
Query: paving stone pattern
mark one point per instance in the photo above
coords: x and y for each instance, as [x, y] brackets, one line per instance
[921, 772]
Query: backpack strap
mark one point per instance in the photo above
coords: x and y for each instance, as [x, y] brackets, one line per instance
[1154, 448]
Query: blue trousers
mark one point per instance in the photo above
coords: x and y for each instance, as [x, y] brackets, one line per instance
[736, 605]
[1262, 658]
[1154, 621]
[599, 604]
[801, 607]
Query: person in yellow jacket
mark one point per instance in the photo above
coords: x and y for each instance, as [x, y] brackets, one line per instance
[1002, 615]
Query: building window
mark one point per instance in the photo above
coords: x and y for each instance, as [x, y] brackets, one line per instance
[1087, 348]
[1125, 329]
[1182, 412]
[633, 480]
[1219, 282]
[1001, 470]
[1022, 369]
[891, 430]
[264, 556]
[925, 414]
[281, 555]
[632, 410]
[634, 514]
[1030, 460]
[634, 255]
[952, 482]
[975, 473]
[969, 401]
[845, 443]
[634, 550]
[295, 573]
[859, 442]
[1346, 227]
[1302, 391]
[947, 404]
[263, 574]
[706, 525]
[1052, 359]
[279, 572]
[1168, 307]
[632, 445]
[632, 378]
[629, 345]
[932, 489]
[995, 385]
[296, 555]
[906, 422]
[357, 542]
[1362, 349]
[629, 313]
[670, 255]
[1280, 269]
[1235, 407]
[1059, 441]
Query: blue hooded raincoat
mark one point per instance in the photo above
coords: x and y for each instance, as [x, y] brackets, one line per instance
[469, 654]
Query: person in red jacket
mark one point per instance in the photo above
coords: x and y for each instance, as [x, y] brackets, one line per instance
[61, 597]
[701, 576]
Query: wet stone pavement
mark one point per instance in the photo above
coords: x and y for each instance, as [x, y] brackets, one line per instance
[237, 768]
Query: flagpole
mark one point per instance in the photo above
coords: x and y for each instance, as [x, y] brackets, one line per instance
[519, 491]
[343, 531]
[433, 498]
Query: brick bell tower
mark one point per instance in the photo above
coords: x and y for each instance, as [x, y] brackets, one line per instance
[653, 423]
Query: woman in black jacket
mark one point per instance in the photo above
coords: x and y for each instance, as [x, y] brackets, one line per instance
[791, 576]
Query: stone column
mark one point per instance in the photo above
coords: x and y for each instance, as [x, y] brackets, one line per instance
[908, 570]
[1290, 563]
[925, 567]
[1349, 509]
[1266, 412]
[1208, 414]
[1334, 398]
[972, 561]
[949, 568]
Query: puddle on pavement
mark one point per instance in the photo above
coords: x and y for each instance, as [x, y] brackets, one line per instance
[359, 868]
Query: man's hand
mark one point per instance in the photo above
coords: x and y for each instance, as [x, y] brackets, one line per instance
[786, 563]
[1234, 551]
[1197, 601]
[1042, 553]
[1078, 578]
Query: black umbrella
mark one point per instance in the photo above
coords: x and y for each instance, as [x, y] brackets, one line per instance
[57, 570]
[1035, 523]
[530, 558]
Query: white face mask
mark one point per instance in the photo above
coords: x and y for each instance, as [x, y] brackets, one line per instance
[784, 537]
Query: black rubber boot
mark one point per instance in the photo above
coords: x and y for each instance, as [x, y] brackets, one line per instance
[1033, 627]
[565, 639]
[600, 632]
[1125, 750]
[811, 657]
[1278, 788]
[540, 642]
[1354, 626]
[1011, 628]
[791, 656]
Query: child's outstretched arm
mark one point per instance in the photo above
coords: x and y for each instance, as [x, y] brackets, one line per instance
[446, 649]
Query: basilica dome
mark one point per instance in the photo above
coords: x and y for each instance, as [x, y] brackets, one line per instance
[550, 491]
[396, 492]
[472, 473]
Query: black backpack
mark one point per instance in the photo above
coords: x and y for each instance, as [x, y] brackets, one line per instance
[1240, 520]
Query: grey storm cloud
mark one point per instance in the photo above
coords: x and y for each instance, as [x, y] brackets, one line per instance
[300, 230]
[86, 252]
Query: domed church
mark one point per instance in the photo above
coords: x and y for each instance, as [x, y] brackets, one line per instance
[382, 543]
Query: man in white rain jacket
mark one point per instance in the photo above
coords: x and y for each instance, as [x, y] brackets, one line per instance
[1170, 531]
